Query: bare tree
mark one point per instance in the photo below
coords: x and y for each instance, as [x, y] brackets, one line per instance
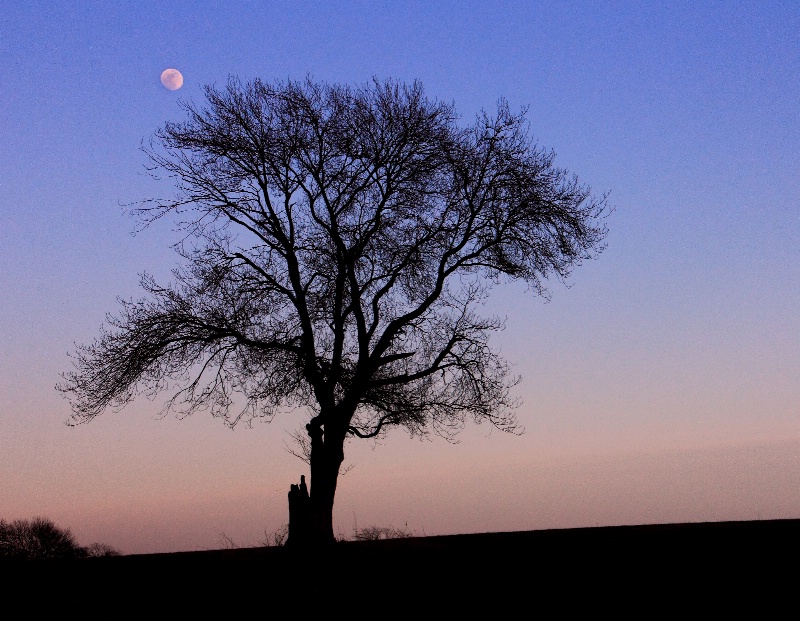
[337, 241]
[37, 539]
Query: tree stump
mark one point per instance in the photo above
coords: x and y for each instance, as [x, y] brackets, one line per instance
[299, 514]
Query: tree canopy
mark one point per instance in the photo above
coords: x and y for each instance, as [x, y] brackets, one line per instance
[337, 243]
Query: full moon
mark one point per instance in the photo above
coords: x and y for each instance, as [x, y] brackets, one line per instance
[172, 79]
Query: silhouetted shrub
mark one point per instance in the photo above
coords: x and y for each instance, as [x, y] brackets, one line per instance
[277, 537]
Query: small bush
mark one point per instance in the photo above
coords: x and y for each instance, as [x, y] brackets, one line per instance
[277, 537]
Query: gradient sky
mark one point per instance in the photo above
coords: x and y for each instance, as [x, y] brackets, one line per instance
[662, 385]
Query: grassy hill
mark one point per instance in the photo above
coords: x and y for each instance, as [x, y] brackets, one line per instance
[611, 569]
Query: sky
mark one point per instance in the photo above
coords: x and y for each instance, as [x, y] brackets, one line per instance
[660, 384]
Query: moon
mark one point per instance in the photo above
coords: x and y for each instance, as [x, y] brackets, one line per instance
[172, 79]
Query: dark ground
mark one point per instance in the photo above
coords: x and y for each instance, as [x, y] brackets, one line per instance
[630, 570]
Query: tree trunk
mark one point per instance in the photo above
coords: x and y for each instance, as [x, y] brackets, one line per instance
[311, 512]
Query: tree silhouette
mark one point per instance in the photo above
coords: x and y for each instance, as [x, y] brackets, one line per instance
[337, 242]
[37, 539]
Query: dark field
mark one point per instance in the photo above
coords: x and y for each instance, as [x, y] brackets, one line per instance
[626, 569]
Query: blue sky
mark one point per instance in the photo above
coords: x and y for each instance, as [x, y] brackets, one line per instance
[661, 385]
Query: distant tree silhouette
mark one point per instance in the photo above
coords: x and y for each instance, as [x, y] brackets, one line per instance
[337, 243]
[37, 539]
[101, 549]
